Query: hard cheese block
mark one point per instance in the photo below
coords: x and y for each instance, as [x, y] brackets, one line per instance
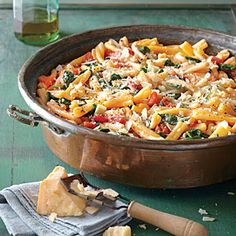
[118, 231]
[53, 198]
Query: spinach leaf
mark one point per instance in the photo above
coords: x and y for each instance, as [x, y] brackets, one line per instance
[105, 130]
[169, 63]
[81, 72]
[193, 59]
[185, 118]
[92, 111]
[64, 101]
[174, 95]
[177, 66]
[124, 87]
[55, 87]
[160, 71]
[144, 69]
[114, 77]
[124, 134]
[163, 135]
[194, 134]
[175, 86]
[136, 91]
[97, 75]
[144, 49]
[50, 96]
[59, 100]
[92, 64]
[226, 67]
[168, 118]
[68, 77]
[102, 82]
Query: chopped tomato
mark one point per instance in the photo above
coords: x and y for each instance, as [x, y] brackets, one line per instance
[48, 81]
[162, 128]
[122, 120]
[166, 102]
[154, 99]
[76, 71]
[88, 57]
[139, 87]
[100, 119]
[193, 122]
[134, 86]
[216, 60]
[131, 51]
[89, 124]
[83, 118]
[107, 53]
[117, 118]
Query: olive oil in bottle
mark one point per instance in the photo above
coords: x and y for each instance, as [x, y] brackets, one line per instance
[36, 22]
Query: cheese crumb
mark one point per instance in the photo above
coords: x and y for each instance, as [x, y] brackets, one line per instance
[91, 210]
[52, 217]
[202, 211]
[209, 219]
[118, 231]
[110, 192]
[143, 226]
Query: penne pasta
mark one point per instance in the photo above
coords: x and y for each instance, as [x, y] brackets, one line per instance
[222, 129]
[146, 89]
[187, 49]
[172, 49]
[144, 132]
[123, 101]
[177, 131]
[99, 52]
[209, 116]
[176, 111]
[142, 94]
[200, 67]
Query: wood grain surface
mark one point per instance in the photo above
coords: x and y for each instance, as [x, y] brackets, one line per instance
[25, 157]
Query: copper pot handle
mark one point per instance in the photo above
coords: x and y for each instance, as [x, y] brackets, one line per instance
[30, 118]
[173, 224]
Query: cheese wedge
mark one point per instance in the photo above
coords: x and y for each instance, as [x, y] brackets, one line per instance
[118, 231]
[53, 198]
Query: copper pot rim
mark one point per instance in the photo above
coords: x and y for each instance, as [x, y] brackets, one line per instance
[109, 138]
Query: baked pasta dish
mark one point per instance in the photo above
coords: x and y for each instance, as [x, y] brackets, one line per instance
[147, 90]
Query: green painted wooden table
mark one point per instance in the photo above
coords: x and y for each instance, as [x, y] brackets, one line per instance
[25, 157]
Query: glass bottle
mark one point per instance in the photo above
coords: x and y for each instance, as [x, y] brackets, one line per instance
[36, 21]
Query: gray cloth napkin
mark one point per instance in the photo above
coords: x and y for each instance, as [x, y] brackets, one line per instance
[17, 210]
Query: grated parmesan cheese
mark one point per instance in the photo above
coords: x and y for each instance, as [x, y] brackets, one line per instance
[52, 217]
[202, 211]
[208, 219]
[91, 210]
[142, 226]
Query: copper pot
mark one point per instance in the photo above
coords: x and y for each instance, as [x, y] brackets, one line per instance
[151, 164]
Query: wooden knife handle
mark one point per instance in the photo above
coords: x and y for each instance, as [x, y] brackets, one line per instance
[173, 224]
